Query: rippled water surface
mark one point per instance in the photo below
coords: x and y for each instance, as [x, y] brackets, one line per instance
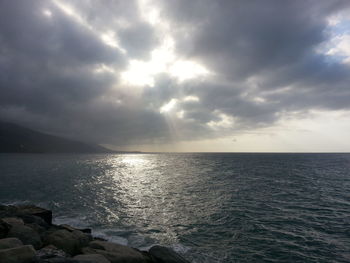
[209, 207]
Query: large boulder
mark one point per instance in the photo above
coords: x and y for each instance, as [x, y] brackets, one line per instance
[161, 254]
[26, 234]
[10, 242]
[69, 242]
[45, 214]
[7, 210]
[50, 251]
[32, 219]
[71, 229]
[23, 254]
[13, 220]
[56, 260]
[91, 258]
[116, 253]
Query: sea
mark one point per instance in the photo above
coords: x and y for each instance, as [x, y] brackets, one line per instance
[209, 207]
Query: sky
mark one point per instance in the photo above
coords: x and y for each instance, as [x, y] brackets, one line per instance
[179, 75]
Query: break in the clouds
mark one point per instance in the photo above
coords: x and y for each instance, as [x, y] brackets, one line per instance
[202, 74]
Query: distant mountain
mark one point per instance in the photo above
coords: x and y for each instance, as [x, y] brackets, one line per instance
[18, 139]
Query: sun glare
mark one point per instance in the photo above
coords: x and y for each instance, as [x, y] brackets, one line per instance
[168, 106]
[163, 60]
[184, 70]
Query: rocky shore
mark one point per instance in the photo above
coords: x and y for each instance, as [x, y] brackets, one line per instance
[27, 235]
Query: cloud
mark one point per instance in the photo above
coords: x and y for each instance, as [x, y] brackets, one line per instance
[232, 66]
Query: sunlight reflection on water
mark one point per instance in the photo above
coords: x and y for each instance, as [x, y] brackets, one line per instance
[212, 207]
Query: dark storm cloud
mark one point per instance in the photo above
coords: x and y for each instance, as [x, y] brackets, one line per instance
[258, 47]
[261, 55]
[46, 73]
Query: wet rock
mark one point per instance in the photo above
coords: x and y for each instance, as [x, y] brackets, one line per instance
[83, 238]
[71, 229]
[7, 210]
[37, 228]
[13, 220]
[10, 242]
[161, 254]
[92, 258]
[116, 253]
[69, 242]
[4, 228]
[45, 214]
[26, 234]
[31, 219]
[51, 251]
[57, 260]
[23, 254]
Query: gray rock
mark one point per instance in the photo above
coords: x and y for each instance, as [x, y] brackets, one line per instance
[71, 229]
[161, 254]
[45, 214]
[37, 228]
[57, 260]
[32, 219]
[13, 221]
[23, 254]
[69, 242]
[26, 234]
[116, 253]
[50, 251]
[92, 258]
[83, 238]
[10, 242]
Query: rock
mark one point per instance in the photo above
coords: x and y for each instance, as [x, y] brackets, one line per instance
[51, 254]
[4, 229]
[69, 242]
[13, 221]
[40, 230]
[83, 238]
[161, 254]
[31, 219]
[10, 242]
[26, 234]
[45, 214]
[71, 229]
[116, 253]
[92, 258]
[23, 254]
[7, 210]
[57, 260]
[50, 251]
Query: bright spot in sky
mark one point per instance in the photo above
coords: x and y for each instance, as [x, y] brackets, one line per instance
[149, 12]
[191, 98]
[168, 106]
[180, 114]
[163, 60]
[140, 73]
[47, 13]
[184, 70]
[110, 39]
[225, 121]
[102, 68]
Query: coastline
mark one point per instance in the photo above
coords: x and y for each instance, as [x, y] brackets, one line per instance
[27, 235]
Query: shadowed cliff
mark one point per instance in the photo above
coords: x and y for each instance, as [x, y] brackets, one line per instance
[18, 139]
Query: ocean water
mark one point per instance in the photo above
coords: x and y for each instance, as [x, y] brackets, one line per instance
[208, 207]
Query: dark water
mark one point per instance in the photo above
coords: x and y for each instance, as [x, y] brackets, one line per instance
[210, 207]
